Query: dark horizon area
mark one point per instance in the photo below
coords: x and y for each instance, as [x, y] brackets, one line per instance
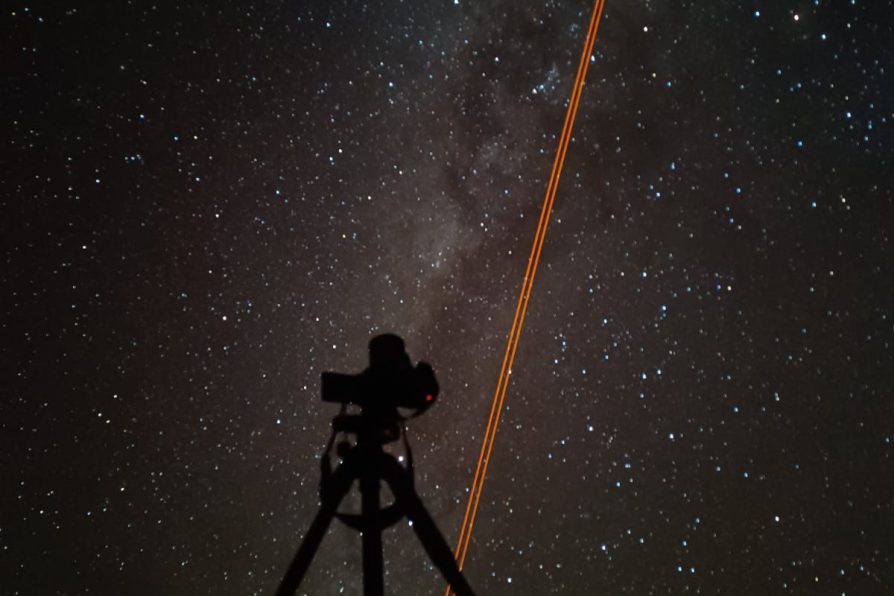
[208, 205]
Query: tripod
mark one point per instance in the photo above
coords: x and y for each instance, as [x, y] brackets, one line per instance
[369, 464]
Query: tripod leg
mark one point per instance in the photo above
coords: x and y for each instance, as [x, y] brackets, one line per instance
[371, 537]
[432, 540]
[340, 484]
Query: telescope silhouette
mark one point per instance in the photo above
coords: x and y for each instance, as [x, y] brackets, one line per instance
[389, 384]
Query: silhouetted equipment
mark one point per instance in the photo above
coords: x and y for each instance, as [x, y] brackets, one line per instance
[390, 382]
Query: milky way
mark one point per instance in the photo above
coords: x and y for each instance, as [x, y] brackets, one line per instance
[205, 207]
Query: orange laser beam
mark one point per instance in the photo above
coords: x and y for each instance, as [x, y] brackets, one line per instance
[521, 308]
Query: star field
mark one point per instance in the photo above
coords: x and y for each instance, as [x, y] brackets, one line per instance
[207, 205]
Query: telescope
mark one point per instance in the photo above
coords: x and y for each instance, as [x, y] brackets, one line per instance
[390, 382]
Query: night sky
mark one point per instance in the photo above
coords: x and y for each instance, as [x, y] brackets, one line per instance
[205, 207]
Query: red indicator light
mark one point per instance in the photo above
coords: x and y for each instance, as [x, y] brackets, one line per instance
[429, 397]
